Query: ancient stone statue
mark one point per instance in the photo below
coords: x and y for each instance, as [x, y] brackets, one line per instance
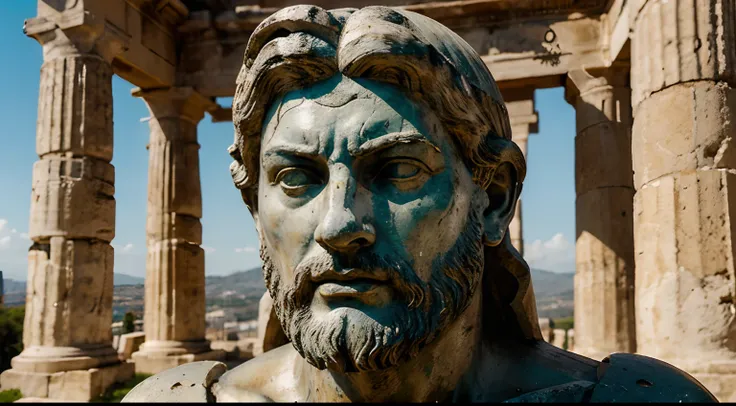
[374, 152]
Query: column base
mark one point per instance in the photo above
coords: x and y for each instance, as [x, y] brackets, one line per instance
[722, 386]
[49, 360]
[155, 357]
[81, 385]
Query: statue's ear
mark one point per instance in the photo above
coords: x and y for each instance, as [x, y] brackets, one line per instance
[502, 196]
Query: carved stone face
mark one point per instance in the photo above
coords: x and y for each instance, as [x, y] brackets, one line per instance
[370, 223]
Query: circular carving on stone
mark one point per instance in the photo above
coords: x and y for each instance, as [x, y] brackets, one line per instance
[550, 36]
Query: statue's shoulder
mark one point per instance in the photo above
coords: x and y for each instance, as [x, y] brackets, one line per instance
[271, 376]
[185, 383]
[637, 378]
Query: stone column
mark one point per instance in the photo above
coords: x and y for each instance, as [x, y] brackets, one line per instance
[604, 247]
[524, 121]
[174, 321]
[684, 152]
[67, 337]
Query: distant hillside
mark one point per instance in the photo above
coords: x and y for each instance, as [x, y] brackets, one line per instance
[554, 293]
[239, 284]
[123, 279]
[12, 286]
[548, 283]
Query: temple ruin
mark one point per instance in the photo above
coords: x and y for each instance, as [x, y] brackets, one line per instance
[652, 83]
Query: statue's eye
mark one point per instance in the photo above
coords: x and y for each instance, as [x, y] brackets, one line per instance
[400, 170]
[295, 181]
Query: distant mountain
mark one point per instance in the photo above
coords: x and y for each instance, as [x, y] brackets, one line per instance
[13, 286]
[123, 279]
[554, 293]
[548, 283]
[238, 284]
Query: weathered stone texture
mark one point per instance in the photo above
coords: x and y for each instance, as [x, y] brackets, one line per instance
[175, 265]
[80, 385]
[270, 333]
[69, 299]
[684, 242]
[683, 59]
[174, 319]
[130, 343]
[604, 272]
[686, 127]
[152, 363]
[175, 304]
[677, 41]
[72, 198]
[604, 248]
[75, 108]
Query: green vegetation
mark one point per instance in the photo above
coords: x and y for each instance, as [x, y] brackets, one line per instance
[128, 323]
[117, 392]
[10, 395]
[564, 323]
[11, 334]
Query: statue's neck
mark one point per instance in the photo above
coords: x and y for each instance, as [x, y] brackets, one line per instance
[439, 368]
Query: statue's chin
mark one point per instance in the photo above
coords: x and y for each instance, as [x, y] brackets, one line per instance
[347, 340]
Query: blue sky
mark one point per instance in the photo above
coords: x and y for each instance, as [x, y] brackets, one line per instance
[228, 233]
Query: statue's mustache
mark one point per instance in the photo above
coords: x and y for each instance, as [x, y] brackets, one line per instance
[364, 265]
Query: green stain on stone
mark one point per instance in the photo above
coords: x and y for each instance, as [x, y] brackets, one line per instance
[428, 369]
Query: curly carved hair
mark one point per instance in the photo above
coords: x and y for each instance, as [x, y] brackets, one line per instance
[301, 45]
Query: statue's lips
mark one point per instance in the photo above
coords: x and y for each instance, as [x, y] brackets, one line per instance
[350, 288]
[351, 275]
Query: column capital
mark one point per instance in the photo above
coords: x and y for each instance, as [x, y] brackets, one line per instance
[582, 82]
[76, 32]
[179, 102]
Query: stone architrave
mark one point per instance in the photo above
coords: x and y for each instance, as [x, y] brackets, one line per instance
[604, 249]
[524, 121]
[174, 321]
[67, 336]
[683, 76]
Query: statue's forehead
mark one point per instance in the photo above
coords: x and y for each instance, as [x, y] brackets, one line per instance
[348, 112]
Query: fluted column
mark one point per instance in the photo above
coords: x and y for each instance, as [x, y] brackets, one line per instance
[524, 121]
[684, 134]
[67, 337]
[174, 321]
[604, 247]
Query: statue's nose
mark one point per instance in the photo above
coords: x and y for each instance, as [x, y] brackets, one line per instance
[341, 230]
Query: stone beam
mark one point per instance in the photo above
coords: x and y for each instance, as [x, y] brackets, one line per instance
[518, 54]
[537, 50]
[617, 29]
[145, 29]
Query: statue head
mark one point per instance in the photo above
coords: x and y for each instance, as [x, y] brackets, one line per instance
[374, 152]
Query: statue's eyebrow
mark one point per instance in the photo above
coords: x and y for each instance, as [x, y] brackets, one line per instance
[391, 140]
[301, 150]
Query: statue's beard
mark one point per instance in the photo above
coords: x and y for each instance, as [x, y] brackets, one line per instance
[349, 339]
